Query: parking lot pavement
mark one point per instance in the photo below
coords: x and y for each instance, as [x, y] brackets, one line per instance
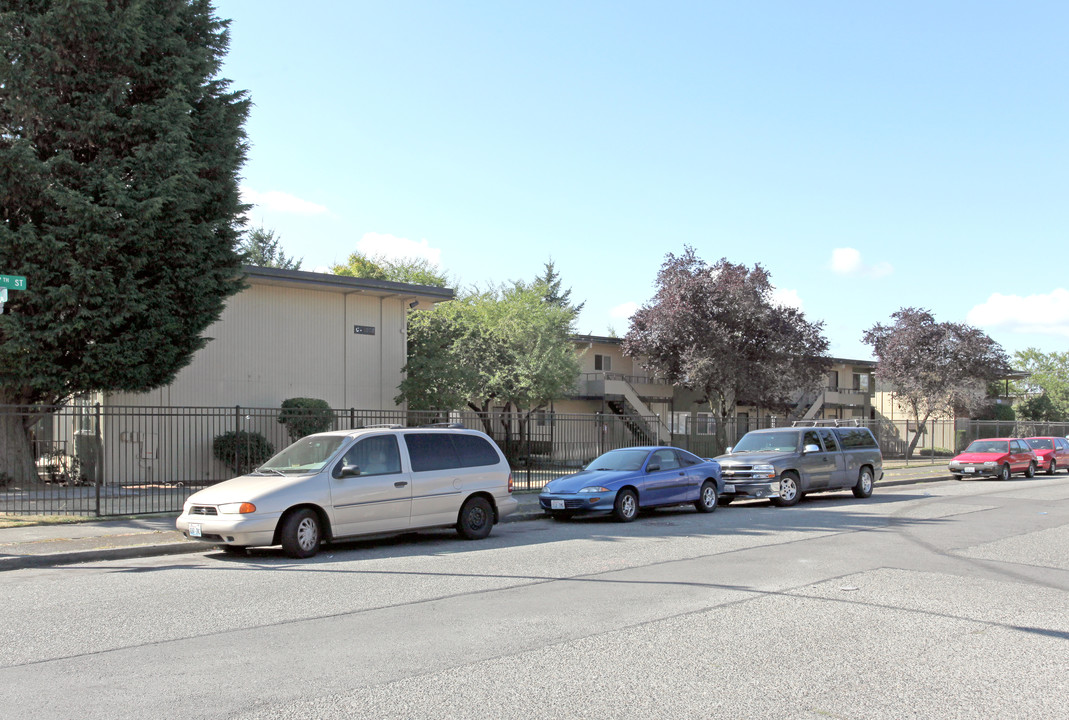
[120, 539]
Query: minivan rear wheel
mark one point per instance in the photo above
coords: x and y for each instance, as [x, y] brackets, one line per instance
[476, 519]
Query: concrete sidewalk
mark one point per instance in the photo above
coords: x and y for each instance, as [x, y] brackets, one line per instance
[50, 545]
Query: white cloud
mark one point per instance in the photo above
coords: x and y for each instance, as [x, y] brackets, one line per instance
[1043, 314]
[783, 296]
[395, 248]
[624, 311]
[847, 261]
[280, 202]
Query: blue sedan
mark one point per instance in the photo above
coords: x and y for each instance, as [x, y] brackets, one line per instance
[623, 481]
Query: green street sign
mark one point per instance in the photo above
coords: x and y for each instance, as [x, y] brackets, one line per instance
[13, 282]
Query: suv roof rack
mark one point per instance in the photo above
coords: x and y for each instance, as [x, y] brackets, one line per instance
[457, 425]
[852, 422]
[392, 426]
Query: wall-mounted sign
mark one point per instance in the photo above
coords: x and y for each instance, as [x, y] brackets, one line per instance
[364, 329]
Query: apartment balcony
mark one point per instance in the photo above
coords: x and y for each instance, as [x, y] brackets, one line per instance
[609, 385]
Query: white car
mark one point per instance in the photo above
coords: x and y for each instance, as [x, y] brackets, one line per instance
[341, 484]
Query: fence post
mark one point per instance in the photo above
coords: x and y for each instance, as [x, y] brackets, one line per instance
[237, 437]
[100, 456]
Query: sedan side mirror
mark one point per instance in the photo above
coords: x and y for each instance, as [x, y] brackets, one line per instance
[729, 449]
[653, 468]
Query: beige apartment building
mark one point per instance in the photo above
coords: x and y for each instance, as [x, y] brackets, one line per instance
[290, 333]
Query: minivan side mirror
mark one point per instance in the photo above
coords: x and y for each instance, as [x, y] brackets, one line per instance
[729, 449]
[349, 471]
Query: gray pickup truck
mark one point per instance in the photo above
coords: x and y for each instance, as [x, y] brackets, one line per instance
[783, 464]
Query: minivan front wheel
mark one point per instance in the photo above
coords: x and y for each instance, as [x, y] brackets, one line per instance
[863, 488]
[476, 519]
[301, 534]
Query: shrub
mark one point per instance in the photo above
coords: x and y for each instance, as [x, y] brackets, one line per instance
[242, 451]
[305, 416]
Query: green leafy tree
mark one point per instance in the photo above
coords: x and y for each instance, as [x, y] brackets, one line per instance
[415, 271]
[261, 248]
[119, 154]
[1049, 373]
[934, 367]
[1040, 408]
[505, 347]
[716, 330]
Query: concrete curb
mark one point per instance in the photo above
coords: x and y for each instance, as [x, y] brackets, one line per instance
[22, 562]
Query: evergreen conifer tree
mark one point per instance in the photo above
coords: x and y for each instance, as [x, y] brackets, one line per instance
[119, 153]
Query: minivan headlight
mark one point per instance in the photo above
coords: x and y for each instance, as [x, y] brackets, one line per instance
[237, 508]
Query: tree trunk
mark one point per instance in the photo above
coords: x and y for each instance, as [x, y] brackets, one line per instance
[916, 435]
[16, 450]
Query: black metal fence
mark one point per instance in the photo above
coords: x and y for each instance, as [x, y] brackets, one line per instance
[106, 460]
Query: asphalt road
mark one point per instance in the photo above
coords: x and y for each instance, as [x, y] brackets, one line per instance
[943, 600]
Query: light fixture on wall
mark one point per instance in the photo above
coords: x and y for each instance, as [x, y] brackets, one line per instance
[412, 305]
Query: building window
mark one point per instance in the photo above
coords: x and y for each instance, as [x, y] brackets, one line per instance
[603, 362]
[861, 381]
[833, 380]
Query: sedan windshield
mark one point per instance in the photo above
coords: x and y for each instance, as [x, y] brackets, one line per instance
[619, 460]
[988, 446]
[307, 455]
[1041, 444]
[767, 442]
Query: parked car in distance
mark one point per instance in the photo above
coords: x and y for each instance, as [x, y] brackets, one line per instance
[1052, 453]
[342, 484]
[994, 457]
[623, 481]
[783, 464]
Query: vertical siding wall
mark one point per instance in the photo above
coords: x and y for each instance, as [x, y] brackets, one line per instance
[271, 343]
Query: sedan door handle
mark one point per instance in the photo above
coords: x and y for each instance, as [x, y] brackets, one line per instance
[400, 484]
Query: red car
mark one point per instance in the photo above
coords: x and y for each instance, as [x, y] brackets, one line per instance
[998, 457]
[1053, 452]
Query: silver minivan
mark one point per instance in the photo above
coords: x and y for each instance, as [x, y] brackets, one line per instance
[343, 484]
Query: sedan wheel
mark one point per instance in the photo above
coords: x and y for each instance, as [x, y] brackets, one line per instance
[1031, 471]
[626, 506]
[1005, 474]
[1053, 467]
[706, 502]
[789, 493]
[301, 534]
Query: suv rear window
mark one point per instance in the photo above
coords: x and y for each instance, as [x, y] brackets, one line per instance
[856, 438]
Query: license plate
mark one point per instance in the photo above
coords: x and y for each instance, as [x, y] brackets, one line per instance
[968, 469]
[194, 530]
[556, 504]
[729, 488]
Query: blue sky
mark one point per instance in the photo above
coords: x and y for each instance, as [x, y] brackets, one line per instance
[869, 155]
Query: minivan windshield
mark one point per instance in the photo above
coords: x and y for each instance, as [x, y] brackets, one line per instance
[307, 455]
[786, 441]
